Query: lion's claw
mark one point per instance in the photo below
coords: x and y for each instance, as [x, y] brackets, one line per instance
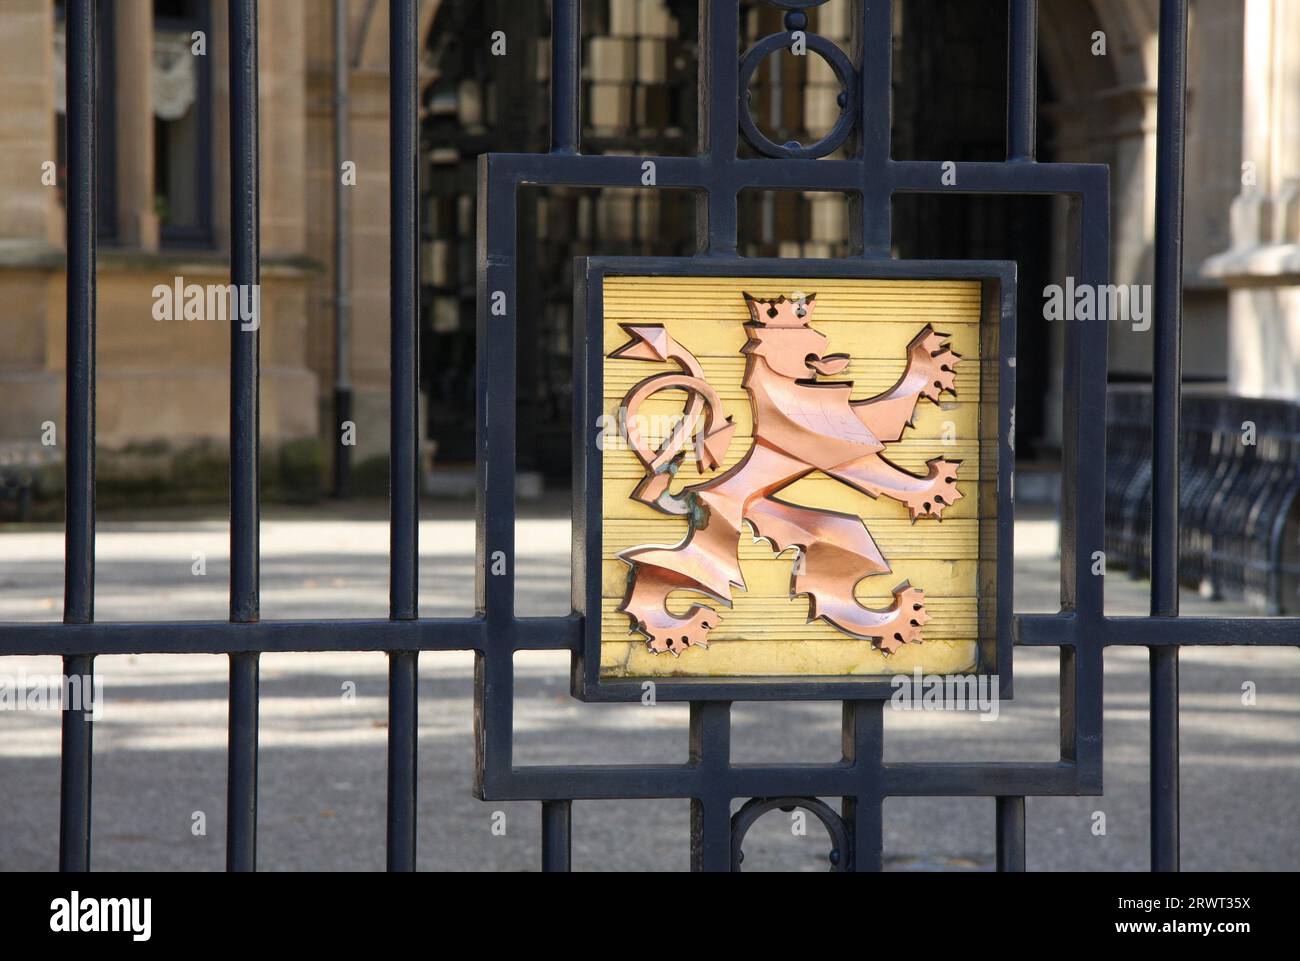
[932, 356]
[673, 635]
[906, 625]
[941, 491]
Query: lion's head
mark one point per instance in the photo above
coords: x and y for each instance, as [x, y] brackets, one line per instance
[780, 336]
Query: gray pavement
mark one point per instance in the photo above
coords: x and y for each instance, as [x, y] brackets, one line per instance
[160, 748]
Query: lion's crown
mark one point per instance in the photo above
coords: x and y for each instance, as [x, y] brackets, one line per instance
[795, 311]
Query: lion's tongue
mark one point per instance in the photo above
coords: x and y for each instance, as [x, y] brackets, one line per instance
[829, 366]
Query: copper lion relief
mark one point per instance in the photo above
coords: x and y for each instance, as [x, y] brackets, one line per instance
[804, 421]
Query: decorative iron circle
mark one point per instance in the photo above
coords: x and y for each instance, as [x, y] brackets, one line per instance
[844, 73]
[841, 853]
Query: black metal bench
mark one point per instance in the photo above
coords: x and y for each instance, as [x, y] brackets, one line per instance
[1239, 508]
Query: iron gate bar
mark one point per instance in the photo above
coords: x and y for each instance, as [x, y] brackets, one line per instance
[1022, 80]
[403, 463]
[862, 740]
[245, 495]
[870, 230]
[1166, 391]
[841, 176]
[79, 496]
[1010, 813]
[566, 55]
[1044, 630]
[719, 129]
[557, 835]
[558, 633]
[710, 756]
[591, 782]
[215, 637]
[870, 178]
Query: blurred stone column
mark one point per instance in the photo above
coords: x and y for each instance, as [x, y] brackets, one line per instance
[29, 203]
[133, 53]
[1262, 267]
[31, 225]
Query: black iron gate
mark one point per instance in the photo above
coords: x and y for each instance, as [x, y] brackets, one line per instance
[870, 178]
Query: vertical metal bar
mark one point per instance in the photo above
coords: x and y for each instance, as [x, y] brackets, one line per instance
[1166, 396]
[75, 769]
[495, 432]
[1022, 79]
[873, 45]
[870, 224]
[566, 50]
[79, 521]
[404, 477]
[718, 93]
[710, 746]
[245, 275]
[1011, 833]
[342, 252]
[244, 334]
[1165, 786]
[719, 81]
[403, 718]
[557, 835]
[862, 735]
[241, 784]
[404, 281]
[1082, 494]
[496, 390]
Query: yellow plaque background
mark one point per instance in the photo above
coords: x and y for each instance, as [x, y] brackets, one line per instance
[766, 632]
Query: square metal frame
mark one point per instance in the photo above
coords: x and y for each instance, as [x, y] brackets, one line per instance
[997, 300]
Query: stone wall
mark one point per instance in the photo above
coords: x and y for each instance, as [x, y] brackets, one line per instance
[161, 385]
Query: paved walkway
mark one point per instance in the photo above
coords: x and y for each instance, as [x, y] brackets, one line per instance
[160, 749]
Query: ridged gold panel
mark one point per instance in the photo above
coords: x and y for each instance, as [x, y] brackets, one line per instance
[767, 632]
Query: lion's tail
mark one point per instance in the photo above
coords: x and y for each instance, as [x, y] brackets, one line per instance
[653, 343]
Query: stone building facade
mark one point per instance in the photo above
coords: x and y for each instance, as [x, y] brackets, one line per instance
[163, 385]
